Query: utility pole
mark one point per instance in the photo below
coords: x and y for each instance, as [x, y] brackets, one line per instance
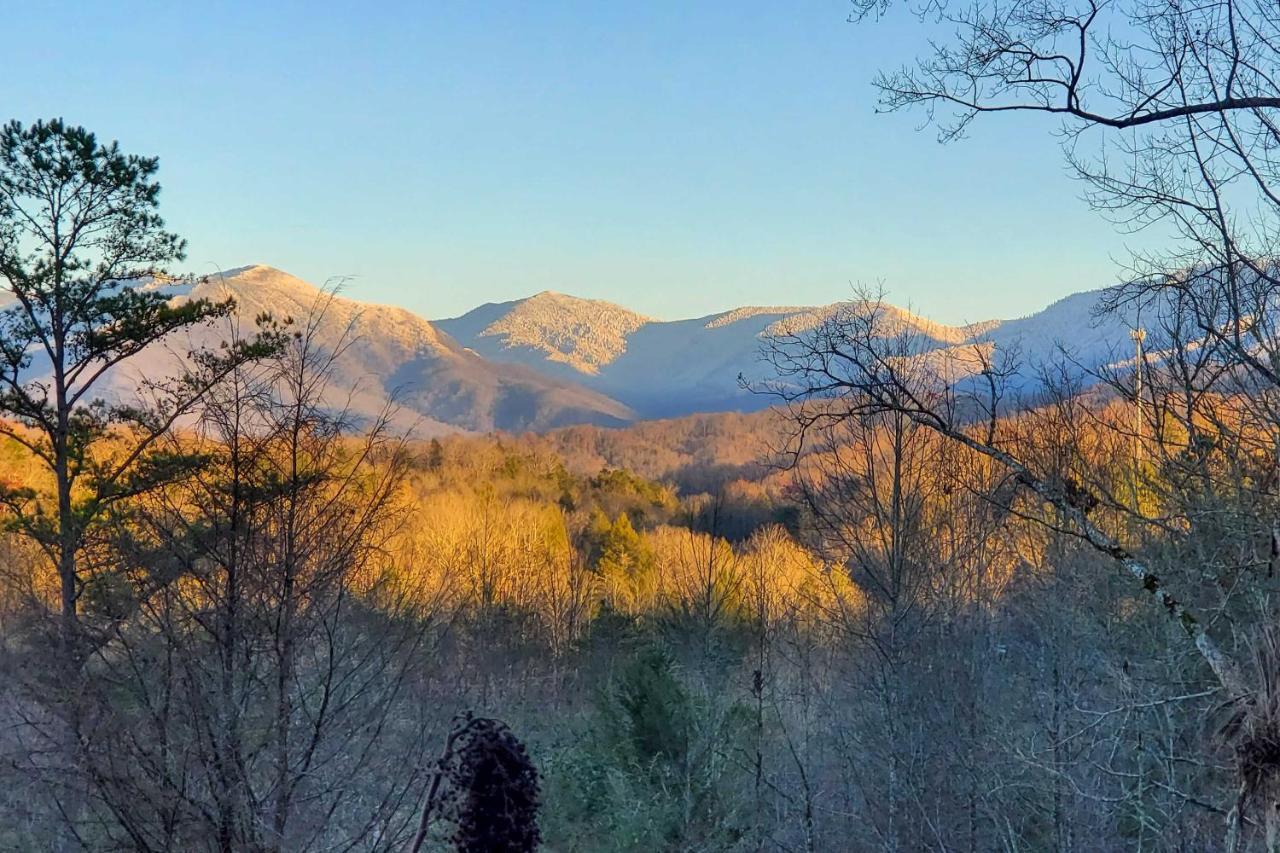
[1139, 336]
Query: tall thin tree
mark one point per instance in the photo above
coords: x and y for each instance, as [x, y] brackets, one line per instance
[79, 230]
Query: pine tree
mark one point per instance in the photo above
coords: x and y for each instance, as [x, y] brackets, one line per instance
[79, 229]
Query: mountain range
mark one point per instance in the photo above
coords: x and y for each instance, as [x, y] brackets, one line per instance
[553, 360]
[671, 368]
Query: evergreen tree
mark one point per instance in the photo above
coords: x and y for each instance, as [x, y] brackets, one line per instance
[435, 455]
[626, 565]
[79, 229]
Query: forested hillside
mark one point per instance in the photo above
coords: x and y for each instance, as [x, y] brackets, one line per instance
[896, 636]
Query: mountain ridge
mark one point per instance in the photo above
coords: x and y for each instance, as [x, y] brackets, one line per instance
[699, 360]
[553, 360]
[388, 352]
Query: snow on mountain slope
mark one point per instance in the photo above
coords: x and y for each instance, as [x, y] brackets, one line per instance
[1071, 326]
[670, 368]
[582, 334]
[553, 360]
[656, 368]
[662, 368]
[386, 351]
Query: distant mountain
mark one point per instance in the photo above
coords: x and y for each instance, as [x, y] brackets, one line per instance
[554, 360]
[438, 384]
[672, 368]
[549, 329]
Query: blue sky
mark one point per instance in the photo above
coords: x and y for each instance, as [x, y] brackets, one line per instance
[676, 157]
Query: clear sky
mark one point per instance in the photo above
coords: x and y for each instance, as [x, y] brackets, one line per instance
[676, 156]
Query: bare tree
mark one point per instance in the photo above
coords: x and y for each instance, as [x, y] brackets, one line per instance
[261, 700]
[1057, 464]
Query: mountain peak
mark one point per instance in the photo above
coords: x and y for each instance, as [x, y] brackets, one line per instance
[259, 274]
[584, 334]
[746, 312]
[235, 271]
[568, 299]
[382, 352]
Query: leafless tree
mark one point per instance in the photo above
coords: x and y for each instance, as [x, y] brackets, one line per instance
[261, 699]
[1062, 461]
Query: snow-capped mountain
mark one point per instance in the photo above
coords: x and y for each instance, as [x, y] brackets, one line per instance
[550, 331]
[437, 384]
[552, 360]
[669, 368]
